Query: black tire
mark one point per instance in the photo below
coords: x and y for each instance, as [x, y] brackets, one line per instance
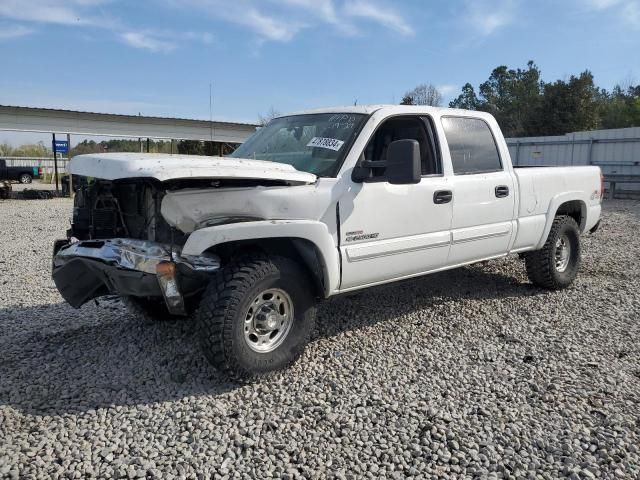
[149, 309]
[225, 306]
[25, 178]
[541, 265]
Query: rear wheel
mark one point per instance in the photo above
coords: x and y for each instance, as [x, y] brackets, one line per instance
[556, 265]
[25, 178]
[256, 315]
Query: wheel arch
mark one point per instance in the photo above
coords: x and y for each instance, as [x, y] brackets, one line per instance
[571, 204]
[306, 242]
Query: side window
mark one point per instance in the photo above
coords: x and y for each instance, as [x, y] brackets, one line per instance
[472, 146]
[403, 128]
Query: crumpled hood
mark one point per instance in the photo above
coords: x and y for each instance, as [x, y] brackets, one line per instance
[163, 167]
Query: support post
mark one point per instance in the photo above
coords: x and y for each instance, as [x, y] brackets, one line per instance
[68, 161]
[590, 160]
[55, 163]
[573, 144]
[148, 144]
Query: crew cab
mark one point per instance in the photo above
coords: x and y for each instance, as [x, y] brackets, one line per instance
[20, 174]
[314, 204]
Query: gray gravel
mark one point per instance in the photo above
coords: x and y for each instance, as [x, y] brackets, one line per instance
[473, 373]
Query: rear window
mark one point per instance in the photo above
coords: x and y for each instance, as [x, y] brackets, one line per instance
[472, 146]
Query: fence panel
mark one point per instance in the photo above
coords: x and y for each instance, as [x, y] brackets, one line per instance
[45, 162]
[616, 151]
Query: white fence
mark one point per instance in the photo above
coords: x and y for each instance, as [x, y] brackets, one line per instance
[45, 162]
[615, 151]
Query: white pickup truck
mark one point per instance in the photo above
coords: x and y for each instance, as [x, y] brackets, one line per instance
[313, 205]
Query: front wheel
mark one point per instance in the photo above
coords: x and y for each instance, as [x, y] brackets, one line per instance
[256, 315]
[556, 265]
[25, 178]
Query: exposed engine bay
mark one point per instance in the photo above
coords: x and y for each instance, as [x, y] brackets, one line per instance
[122, 209]
[130, 208]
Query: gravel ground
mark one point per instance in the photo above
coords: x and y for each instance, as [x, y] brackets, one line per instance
[473, 373]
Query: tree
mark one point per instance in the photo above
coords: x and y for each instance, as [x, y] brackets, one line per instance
[6, 150]
[191, 147]
[121, 145]
[569, 106]
[407, 100]
[620, 108]
[32, 150]
[513, 97]
[424, 94]
[467, 100]
[270, 115]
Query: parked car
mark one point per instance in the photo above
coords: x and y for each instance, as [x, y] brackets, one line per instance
[313, 205]
[21, 174]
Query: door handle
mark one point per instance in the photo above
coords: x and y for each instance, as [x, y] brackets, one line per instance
[442, 196]
[502, 191]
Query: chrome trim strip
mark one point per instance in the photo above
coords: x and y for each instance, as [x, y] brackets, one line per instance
[484, 236]
[398, 251]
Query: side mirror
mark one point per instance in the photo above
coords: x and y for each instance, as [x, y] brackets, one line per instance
[403, 162]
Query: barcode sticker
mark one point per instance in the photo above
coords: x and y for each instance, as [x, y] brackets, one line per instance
[329, 143]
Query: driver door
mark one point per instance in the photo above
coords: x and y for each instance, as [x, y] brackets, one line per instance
[388, 232]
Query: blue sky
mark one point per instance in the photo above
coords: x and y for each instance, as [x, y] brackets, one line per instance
[157, 57]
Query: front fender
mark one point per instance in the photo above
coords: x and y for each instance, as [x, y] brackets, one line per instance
[313, 231]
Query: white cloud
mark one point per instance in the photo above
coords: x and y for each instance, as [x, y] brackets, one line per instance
[14, 31]
[601, 4]
[447, 89]
[379, 14]
[324, 9]
[269, 27]
[489, 17]
[88, 13]
[162, 41]
[627, 10]
[61, 12]
[269, 20]
[632, 13]
[282, 20]
[147, 42]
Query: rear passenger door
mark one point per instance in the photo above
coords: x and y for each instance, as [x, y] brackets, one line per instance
[483, 192]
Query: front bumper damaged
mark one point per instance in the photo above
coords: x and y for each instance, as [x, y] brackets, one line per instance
[83, 270]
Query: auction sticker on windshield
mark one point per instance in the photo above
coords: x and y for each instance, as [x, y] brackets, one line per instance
[330, 143]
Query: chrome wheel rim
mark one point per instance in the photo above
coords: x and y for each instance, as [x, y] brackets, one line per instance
[563, 253]
[268, 320]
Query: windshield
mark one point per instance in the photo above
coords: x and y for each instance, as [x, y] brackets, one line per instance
[314, 143]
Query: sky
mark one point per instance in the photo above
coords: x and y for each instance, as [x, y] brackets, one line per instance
[158, 57]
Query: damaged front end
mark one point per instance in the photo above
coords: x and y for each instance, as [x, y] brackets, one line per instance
[119, 244]
[83, 270]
